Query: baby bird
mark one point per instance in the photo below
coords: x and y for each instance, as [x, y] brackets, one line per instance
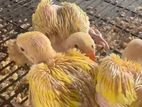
[133, 52]
[116, 81]
[78, 40]
[59, 22]
[57, 79]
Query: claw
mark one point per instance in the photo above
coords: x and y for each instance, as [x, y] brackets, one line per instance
[98, 38]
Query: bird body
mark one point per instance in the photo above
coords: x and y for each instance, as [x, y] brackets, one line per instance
[59, 22]
[133, 52]
[116, 80]
[64, 83]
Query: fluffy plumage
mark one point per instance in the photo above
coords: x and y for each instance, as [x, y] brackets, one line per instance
[59, 22]
[133, 52]
[58, 79]
[116, 80]
[62, 84]
[138, 89]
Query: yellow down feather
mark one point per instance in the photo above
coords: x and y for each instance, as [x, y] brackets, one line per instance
[115, 80]
[66, 82]
[59, 22]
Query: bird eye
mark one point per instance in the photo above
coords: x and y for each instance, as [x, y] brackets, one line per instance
[21, 49]
[76, 46]
[92, 46]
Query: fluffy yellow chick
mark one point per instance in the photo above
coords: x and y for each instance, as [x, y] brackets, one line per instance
[81, 41]
[78, 40]
[116, 80]
[133, 51]
[63, 79]
[59, 22]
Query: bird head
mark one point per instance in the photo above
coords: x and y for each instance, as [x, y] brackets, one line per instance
[35, 46]
[15, 54]
[83, 42]
[133, 51]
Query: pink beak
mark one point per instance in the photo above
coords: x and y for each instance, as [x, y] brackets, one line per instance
[91, 55]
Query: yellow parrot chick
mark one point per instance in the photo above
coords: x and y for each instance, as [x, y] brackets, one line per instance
[57, 79]
[78, 40]
[58, 22]
[133, 51]
[116, 80]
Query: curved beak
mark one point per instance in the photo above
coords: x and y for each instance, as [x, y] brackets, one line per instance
[91, 55]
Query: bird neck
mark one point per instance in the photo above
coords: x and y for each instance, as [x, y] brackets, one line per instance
[62, 47]
[65, 45]
[47, 57]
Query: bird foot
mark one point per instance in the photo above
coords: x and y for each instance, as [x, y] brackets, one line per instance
[98, 38]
